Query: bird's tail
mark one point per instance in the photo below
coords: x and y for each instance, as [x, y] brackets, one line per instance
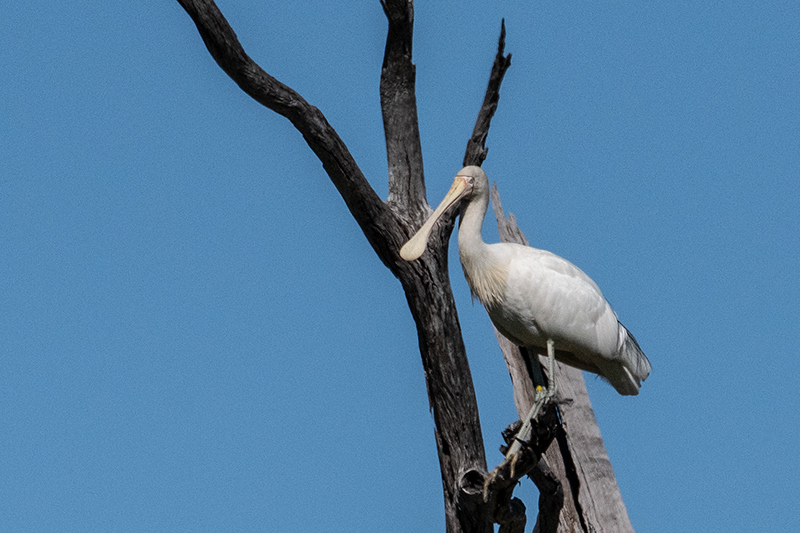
[631, 368]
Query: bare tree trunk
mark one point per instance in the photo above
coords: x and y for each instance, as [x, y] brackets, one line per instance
[387, 225]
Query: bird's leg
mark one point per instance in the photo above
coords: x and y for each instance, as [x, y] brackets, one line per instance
[534, 371]
[543, 395]
[551, 369]
[524, 432]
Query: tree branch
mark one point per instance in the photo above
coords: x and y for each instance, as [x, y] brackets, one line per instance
[551, 498]
[377, 222]
[506, 510]
[399, 108]
[476, 146]
[426, 281]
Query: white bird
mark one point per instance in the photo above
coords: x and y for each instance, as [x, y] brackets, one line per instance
[535, 298]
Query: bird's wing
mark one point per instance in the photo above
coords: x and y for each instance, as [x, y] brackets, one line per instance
[565, 303]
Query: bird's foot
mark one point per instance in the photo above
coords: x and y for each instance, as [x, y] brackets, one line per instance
[545, 395]
[503, 474]
[513, 458]
[514, 467]
[526, 442]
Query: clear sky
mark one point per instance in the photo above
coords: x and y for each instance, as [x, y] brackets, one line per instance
[196, 336]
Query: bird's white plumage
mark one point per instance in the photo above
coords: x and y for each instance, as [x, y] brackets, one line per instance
[533, 296]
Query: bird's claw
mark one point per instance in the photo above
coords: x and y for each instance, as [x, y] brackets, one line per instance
[513, 466]
[510, 462]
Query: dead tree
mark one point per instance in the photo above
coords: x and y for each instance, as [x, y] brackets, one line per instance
[577, 486]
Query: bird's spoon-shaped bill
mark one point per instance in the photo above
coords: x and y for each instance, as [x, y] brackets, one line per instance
[416, 245]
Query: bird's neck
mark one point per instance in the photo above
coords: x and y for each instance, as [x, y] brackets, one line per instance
[486, 279]
[469, 227]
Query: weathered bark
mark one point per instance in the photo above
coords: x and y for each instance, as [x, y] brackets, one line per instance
[399, 110]
[578, 491]
[462, 458]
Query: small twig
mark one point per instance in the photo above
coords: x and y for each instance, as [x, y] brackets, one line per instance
[476, 147]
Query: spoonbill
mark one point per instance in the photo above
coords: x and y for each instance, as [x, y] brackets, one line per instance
[535, 298]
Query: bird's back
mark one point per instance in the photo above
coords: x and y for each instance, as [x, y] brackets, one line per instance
[544, 296]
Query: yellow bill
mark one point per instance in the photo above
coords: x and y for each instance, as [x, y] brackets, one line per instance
[416, 245]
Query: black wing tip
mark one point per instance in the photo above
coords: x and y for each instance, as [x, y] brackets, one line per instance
[641, 366]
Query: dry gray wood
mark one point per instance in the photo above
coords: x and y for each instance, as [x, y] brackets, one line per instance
[586, 497]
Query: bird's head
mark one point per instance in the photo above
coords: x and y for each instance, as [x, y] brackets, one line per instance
[475, 182]
[470, 182]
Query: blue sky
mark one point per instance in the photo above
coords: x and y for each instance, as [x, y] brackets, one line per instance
[195, 335]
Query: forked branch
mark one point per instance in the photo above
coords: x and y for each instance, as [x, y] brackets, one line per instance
[387, 226]
[377, 222]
